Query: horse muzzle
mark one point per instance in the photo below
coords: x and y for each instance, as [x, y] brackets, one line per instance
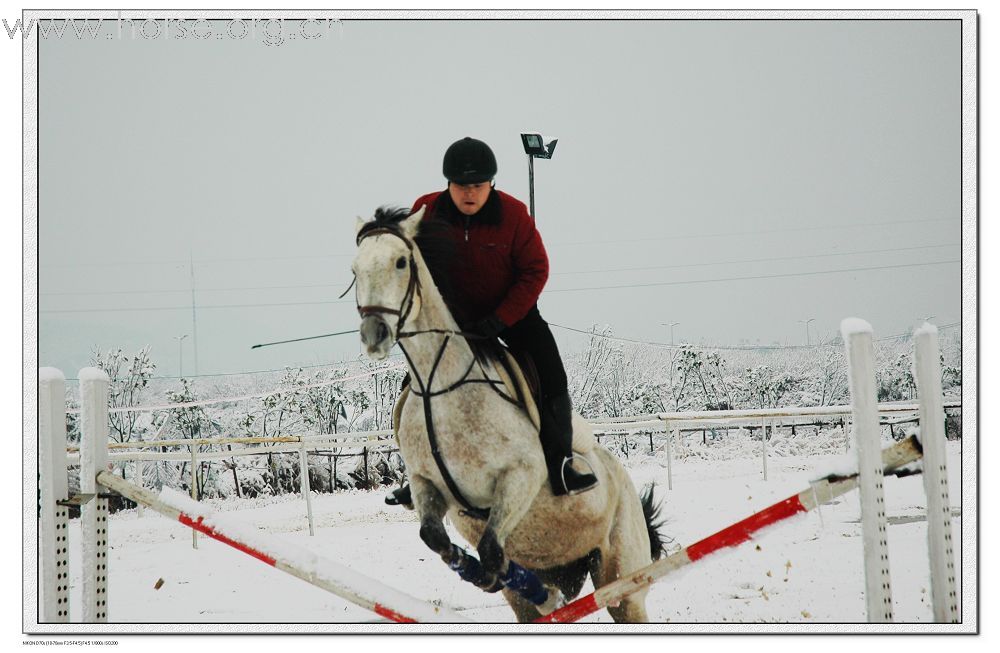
[375, 336]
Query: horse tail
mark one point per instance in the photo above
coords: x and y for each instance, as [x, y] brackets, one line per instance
[651, 512]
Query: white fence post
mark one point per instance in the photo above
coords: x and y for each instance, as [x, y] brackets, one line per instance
[864, 406]
[94, 428]
[763, 445]
[927, 372]
[194, 488]
[668, 445]
[304, 484]
[140, 480]
[54, 486]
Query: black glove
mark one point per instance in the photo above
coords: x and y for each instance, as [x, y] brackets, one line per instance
[490, 327]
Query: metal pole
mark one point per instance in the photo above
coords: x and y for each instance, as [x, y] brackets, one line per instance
[531, 183]
[194, 314]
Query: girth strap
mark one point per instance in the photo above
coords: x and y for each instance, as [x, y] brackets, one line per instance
[425, 396]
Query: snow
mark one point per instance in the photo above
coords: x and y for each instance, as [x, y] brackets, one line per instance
[837, 466]
[808, 571]
[300, 558]
[50, 374]
[852, 325]
[92, 374]
[926, 328]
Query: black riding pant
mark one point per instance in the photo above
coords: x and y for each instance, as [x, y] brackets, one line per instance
[532, 335]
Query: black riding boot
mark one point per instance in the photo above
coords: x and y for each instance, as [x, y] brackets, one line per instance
[556, 415]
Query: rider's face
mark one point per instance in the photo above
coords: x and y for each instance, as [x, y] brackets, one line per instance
[469, 198]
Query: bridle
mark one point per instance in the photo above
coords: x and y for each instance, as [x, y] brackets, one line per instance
[425, 392]
[412, 286]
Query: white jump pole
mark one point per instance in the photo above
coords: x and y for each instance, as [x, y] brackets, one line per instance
[94, 428]
[864, 404]
[54, 487]
[927, 371]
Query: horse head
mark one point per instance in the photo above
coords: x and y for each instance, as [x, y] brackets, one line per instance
[387, 277]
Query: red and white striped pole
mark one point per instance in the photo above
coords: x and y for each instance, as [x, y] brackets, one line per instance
[820, 492]
[350, 585]
[289, 558]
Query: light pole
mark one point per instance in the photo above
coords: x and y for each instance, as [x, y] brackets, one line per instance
[535, 147]
[812, 319]
[671, 325]
[928, 318]
[180, 354]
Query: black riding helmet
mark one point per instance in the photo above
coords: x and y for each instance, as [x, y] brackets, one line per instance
[469, 161]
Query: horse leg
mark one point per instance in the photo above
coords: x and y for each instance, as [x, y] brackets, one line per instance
[524, 610]
[627, 551]
[568, 579]
[431, 507]
[515, 490]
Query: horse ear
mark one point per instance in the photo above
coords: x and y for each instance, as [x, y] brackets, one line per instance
[360, 222]
[411, 225]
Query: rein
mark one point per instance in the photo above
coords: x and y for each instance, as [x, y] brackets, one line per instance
[425, 392]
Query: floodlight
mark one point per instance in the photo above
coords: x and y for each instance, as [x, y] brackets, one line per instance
[534, 145]
[535, 148]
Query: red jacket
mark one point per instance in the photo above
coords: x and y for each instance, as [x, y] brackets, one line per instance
[501, 264]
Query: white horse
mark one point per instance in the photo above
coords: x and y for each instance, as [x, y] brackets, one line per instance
[467, 448]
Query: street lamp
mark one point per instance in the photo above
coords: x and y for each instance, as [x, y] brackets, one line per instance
[535, 147]
[812, 319]
[180, 354]
[928, 318]
[671, 325]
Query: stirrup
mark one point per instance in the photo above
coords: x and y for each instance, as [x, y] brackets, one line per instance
[589, 481]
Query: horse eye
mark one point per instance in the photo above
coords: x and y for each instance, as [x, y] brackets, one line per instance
[401, 263]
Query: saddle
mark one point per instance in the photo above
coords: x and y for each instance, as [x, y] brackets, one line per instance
[520, 380]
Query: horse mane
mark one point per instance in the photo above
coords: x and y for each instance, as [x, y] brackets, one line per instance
[437, 248]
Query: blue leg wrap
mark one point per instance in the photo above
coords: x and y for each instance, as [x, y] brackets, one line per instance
[524, 583]
[470, 570]
[517, 577]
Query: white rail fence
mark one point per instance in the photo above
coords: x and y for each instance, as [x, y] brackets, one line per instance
[94, 460]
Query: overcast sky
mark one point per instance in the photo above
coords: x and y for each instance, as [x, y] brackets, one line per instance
[735, 177]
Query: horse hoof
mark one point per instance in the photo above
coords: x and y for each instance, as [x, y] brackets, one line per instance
[490, 584]
[436, 537]
[490, 552]
[555, 600]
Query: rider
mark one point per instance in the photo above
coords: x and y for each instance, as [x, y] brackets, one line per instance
[500, 270]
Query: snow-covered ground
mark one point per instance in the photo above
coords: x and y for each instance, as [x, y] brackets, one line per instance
[808, 570]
